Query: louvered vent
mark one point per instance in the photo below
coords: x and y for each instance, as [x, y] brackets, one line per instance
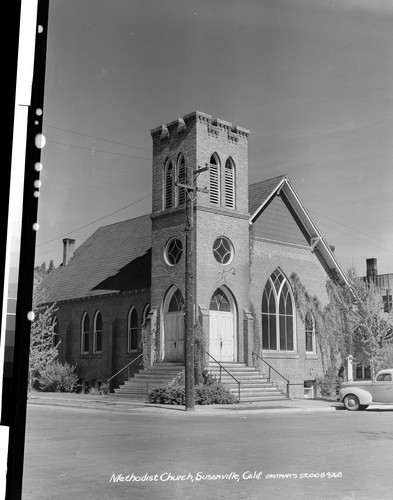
[182, 179]
[229, 184]
[214, 181]
[168, 185]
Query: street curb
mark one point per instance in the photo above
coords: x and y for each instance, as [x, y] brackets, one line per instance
[208, 410]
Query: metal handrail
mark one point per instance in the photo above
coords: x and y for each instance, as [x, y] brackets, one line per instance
[117, 373]
[272, 368]
[223, 367]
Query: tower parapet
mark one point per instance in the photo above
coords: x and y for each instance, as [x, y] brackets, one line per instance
[214, 126]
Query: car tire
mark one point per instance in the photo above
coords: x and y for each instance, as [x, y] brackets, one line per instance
[351, 402]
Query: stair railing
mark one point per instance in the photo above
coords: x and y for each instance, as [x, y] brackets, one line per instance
[270, 369]
[125, 367]
[223, 368]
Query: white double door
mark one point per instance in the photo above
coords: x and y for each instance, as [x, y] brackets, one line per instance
[174, 336]
[221, 336]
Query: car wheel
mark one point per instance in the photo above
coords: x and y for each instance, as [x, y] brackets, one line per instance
[351, 402]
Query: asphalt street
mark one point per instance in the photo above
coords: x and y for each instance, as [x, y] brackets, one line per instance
[84, 453]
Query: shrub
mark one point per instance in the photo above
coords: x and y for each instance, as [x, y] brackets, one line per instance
[213, 393]
[170, 395]
[329, 384]
[58, 377]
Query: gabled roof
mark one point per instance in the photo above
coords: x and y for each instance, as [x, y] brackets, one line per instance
[262, 193]
[116, 257]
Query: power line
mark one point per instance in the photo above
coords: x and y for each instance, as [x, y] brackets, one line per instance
[95, 137]
[94, 221]
[354, 229]
[94, 150]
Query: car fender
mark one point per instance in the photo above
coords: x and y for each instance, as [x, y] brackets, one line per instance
[364, 396]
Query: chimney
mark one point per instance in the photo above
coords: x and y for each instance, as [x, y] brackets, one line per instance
[68, 250]
[372, 270]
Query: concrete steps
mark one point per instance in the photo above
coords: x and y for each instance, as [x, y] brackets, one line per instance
[143, 381]
[254, 386]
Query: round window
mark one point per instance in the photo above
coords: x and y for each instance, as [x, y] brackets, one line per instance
[223, 250]
[173, 251]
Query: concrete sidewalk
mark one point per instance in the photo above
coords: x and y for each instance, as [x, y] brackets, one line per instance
[115, 403]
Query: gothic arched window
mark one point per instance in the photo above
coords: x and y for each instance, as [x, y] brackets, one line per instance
[277, 314]
[177, 302]
[229, 183]
[181, 177]
[214, 171]
[85, 333]
[132, 328]
[97, 337]
[220, 302]
[168, 185]
[310, 332]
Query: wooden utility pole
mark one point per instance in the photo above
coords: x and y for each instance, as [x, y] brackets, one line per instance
[190, 261]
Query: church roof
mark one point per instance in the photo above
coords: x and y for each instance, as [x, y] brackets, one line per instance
[116, 257]
[262, 193]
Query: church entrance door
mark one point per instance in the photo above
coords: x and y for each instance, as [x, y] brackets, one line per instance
[221, 327]
[174, 328]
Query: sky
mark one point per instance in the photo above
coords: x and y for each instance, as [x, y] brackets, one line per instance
[311, 79]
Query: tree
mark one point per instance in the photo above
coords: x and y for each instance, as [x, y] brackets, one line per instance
[355, 313]
[42, 350]
[371, 330]
[351, 323]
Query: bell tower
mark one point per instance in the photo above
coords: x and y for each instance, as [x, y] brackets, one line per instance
[219, 150]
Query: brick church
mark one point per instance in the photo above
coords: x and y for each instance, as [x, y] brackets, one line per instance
[129, 277]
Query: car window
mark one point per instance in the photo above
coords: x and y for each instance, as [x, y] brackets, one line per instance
[380, 377]
[384, 377]
[388, 377]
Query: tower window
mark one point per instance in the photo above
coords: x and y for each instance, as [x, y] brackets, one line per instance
[220, 302]
[168, 185]
[173, 251]
[214, 180]
[229, 182]
[181, 177]
[223, 250]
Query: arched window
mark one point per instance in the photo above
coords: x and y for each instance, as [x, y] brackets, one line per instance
[85, 334]
[277, 314]
[177, 302]
[214, 171]
[220, 302]
[168, 185]
[55, 332]
[310, 332]
[181, 177]
[97, 338]
[132, 342]
[229, 182]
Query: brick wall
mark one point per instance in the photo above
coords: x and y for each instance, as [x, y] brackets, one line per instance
[266, 258]
[114, 356]
[197, 136]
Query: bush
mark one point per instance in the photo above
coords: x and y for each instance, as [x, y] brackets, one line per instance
[58, 377]
[213, 393]
[329, 384]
